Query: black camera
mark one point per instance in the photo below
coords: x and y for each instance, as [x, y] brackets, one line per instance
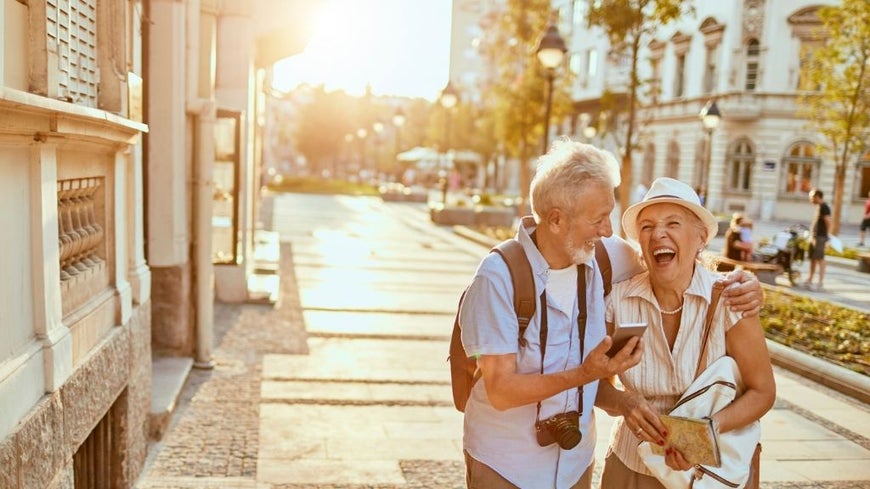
[563, 429]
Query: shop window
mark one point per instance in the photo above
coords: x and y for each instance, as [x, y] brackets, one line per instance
[225, 211]
[862, 184]
[800, 169]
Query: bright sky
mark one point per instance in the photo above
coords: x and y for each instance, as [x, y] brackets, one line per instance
[401, 47]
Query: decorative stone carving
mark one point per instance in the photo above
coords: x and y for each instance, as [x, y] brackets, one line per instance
[753, 18]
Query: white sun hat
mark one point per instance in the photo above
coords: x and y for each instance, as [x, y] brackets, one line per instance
[666, 190]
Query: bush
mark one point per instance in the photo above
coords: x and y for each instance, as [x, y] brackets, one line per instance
[316, 185]
[834, 333]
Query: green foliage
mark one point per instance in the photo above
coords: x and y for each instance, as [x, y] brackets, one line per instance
[322, 123]
[516, 97]
[315, 185]
[837, 334]
[629, 24]
[838, 77]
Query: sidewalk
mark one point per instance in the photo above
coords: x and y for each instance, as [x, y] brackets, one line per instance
[344, 383]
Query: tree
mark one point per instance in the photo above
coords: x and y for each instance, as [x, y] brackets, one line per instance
[322, 124]
[628, 23]
[840, 70]
[516, 89]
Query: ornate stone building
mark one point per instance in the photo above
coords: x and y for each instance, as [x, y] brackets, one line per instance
[744, 54]
[129, 143]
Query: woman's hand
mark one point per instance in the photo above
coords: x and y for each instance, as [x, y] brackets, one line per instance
[675, 460]
[641, 419]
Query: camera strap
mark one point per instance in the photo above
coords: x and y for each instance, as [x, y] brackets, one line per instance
[581, 329]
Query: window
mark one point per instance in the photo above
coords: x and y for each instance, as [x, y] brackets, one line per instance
[752, 51]
[578, 12]
[862, 183]
[673, 160]
[649, 161]
[575, 64]
[739, 163]
[225, 215]
[710, 71]
[655, 85]
[591, 63]
[800, 167]
[680, 75]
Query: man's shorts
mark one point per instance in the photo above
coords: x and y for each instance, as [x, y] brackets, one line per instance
[817, 250]
[865, 224]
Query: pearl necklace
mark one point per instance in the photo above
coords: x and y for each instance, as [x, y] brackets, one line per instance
[671, 313]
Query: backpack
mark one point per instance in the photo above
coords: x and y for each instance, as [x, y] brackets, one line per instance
[463, 369]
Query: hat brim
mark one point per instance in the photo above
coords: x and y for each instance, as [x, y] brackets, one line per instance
[629, 217]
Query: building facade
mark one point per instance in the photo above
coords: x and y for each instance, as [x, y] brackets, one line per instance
[746, 55]
[75, 360]
[129, 151]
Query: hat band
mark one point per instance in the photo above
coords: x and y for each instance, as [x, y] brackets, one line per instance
[667, 197]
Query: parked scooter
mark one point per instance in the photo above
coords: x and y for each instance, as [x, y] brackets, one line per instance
[787, 250]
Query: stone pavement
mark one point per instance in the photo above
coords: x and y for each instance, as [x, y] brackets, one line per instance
[344, 383]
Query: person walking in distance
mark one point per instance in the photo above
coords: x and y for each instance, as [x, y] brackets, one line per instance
[529, 421]
[865, 223]
[818, 238]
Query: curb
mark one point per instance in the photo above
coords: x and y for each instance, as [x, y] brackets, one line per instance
[820, 371]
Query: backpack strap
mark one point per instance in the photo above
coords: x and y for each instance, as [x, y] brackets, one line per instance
[718, 287]
[603, 260]
[523, 280]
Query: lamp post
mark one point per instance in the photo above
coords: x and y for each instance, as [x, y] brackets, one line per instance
[398, 122]
[378, 128]
[551, 51]
[348, 149]
[710, 117]
[361, 134]
[448, 100]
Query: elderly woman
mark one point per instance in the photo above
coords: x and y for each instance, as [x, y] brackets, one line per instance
[672, 297]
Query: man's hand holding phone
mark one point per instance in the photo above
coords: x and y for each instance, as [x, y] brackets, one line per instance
[623, 333]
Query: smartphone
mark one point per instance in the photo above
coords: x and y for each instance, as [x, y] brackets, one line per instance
[623, 333]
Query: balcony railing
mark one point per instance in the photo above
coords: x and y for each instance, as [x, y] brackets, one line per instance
[81, 240]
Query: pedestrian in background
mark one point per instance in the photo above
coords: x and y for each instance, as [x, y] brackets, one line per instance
[865, 223]
[529, 420]
[738, 238]
[819, 229]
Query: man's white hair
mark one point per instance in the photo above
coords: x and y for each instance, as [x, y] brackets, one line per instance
[564, 171]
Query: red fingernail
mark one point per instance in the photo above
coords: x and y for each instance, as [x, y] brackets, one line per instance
[665, 433]
[662, 442]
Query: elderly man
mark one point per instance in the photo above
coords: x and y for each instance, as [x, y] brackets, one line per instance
[529, 421]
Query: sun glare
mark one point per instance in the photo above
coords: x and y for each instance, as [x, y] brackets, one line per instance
[397, 47]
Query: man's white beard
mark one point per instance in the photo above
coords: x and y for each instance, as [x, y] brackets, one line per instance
[579, 254]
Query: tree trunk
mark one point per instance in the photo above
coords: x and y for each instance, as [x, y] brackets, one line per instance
[836, 212]
[525, 180]
[624, 189]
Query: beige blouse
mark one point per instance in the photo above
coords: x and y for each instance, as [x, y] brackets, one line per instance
[663, 375]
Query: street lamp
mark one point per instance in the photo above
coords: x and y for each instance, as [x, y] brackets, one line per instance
[710, 117]
[361, 134]
[448, 100]
[398, 122]
[378, 128]
[551, 51]
[589, 130]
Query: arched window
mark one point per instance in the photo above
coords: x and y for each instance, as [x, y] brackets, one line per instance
[752, 51]
[673, 160]
[740, 161]
[800, 168]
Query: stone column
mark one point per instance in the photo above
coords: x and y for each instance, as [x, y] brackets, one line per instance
[47, 313]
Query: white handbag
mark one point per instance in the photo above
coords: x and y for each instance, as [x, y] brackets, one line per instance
[714, 388]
